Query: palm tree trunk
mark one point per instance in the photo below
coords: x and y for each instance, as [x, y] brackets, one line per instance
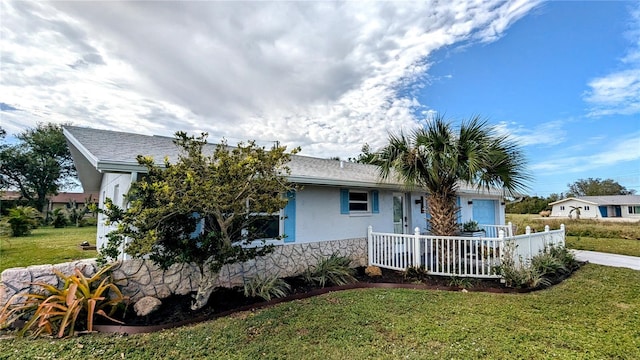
[443, 210]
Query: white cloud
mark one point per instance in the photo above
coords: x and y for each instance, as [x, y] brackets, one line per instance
[544, 134]
[322, 75]
[619, 92]
[618, 151]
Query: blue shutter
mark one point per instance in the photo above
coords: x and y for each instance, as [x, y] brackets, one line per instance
[459, 220]
[344, 201]
[375, 204]
[290, 218]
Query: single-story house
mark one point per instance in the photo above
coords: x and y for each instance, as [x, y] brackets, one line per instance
[338, 200]
[598, 207]
[60, 201]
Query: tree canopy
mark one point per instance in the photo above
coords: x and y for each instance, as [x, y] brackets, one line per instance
[596, 187]
[437, 157]
[204, 209]
[38, 165]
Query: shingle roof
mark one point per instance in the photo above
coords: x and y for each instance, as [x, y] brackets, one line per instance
[605, 200]
[112, 150]
[613, 199]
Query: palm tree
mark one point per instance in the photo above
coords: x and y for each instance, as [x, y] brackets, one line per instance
[437, 158]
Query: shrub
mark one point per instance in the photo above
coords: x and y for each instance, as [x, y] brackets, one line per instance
[22, 219]
[461, 282]
[333, 270]
[266, 287]
[58, 218]
[565, 257]
[548, 265]
[416, 274]
[519, 274]
[57, 311]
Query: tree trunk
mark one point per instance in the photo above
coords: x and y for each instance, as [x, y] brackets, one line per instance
[443, 210]
[208, 282]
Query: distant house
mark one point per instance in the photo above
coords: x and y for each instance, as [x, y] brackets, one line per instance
[338, 201]
[598, 207]
[60, 201]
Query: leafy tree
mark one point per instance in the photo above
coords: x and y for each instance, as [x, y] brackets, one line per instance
[365, 156]
[596, 187]
[555, 197]
[436, 158]
[38, 165]
[528, 205]
[202, 209]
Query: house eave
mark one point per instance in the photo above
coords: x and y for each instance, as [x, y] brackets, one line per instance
[572, 198]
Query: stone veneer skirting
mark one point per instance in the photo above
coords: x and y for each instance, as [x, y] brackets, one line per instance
[139, 278]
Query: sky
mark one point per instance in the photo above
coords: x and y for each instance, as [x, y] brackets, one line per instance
[561, 78]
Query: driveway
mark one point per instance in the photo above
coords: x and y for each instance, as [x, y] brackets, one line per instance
[616, 260]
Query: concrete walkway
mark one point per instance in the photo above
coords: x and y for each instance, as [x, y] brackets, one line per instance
[600, 258]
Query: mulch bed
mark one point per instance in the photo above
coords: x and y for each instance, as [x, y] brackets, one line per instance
[175, 310]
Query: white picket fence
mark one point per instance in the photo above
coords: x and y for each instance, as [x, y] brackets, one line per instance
[457, 255]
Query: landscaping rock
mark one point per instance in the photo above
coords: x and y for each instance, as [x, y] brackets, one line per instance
[146, 305]
[373, 271]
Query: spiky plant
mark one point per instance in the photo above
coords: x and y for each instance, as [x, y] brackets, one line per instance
[266, 287]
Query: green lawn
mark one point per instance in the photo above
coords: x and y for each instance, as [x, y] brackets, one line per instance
[610, 237]
[46, 245]
[593, 315]
[614, 246]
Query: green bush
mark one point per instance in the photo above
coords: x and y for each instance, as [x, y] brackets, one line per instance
[416, 274]
[333, 270]
[266, 287]
[58, 218]
[547, 265]
[22, 219]
[519, 274]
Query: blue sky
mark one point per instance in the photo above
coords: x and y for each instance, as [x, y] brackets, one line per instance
[562, 78]
[536, 77]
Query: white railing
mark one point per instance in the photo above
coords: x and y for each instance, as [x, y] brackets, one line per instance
[493, 231]
[456, 255]
[531, 243]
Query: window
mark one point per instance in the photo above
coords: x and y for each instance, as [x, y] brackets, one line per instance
[586, 207]
[562, 208]
[267, 226]
[358, 202]
[634, 209]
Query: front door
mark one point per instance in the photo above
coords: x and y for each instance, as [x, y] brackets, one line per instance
[399, 219]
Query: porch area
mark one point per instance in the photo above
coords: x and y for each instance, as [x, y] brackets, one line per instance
[460, 256]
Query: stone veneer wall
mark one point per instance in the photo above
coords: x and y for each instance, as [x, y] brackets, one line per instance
[140, 278]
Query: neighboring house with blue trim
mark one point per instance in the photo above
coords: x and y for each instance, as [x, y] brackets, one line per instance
[338, 200]
[598, 207]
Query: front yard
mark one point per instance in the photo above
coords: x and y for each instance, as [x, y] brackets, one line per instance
[46, 245]
[594, 314]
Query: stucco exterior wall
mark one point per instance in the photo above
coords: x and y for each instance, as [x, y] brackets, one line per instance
[113, 186]
[587, 210]
[139, 278]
